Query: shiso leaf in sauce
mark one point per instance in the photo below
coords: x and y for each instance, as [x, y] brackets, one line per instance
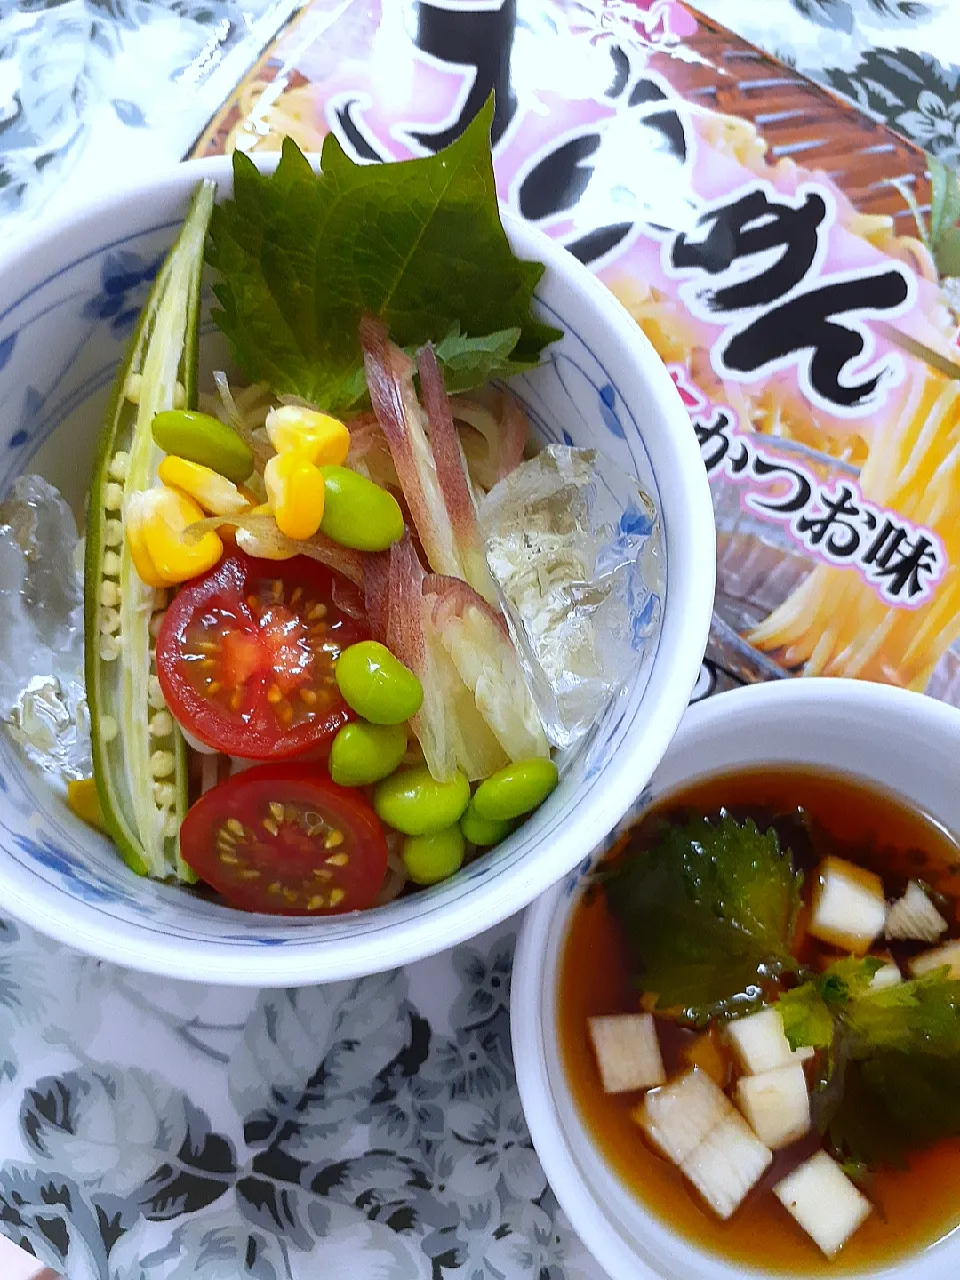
[708, 915]
[890, 1079]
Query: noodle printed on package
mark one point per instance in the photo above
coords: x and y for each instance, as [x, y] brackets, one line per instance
[776, 246]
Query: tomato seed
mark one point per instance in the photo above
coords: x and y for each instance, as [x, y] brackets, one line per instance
[229, 858]
[338, 860]
[337, 896]
[276, 811]
[276, 887]
[322, 873]
[249, 873]
[333, 839]
[236, 826]
[289, 895]
[315, 904]
[285, 715]
[309, 697]
[296, 595]
[317, 611]
[271, 826]
[274, 695]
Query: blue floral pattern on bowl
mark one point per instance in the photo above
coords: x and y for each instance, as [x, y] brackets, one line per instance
[81, 314]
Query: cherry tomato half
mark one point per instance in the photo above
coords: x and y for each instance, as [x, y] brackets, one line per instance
[246, 652]
[286, 840]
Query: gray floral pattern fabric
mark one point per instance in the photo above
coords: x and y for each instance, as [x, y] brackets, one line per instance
[164, 1130]
[161, 1131]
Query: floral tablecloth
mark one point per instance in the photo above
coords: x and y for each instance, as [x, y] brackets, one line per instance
[154, 1130]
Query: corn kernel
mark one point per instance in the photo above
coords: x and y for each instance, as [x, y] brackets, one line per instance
[316, 437]
[215, 493]
[113, 496]
[296, 489]
[83, 800]
[162, 764]
[155, 523]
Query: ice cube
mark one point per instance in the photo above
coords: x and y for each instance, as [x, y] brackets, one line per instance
[42, 695]
[574, 543]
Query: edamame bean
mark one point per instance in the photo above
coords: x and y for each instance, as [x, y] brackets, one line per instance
[364, 753]
[415, 803]
[358, 513]
[376, 685]
[483, 831]
[429, 859]
[515, 790]
[198, 437]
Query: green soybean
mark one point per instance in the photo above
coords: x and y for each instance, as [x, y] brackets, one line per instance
[483, 831]
[515, 790]
[358, 513]
[429, 859]
[198, 437]
[364, 753]
[376, 685]
[413, 802]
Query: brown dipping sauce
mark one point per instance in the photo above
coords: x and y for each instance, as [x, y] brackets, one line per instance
[914, 1207]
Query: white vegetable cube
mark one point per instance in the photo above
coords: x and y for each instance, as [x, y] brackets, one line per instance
[888, 975]
[777, 1105]
[760, 1043]
[914, 918]
[849, 910]
[628, 1051]
[679, 1115]
[948, 954]
[823, 1200]
[729, 1162]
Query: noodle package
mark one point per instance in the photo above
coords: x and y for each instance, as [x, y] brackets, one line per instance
[790, 260]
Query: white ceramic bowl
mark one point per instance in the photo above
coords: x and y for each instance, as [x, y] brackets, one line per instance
[903, 742]
[68, 299]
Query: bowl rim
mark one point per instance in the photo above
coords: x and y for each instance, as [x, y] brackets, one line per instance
[685, 627]
[589, 1218]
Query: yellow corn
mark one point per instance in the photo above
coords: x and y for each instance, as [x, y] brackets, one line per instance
[82, 798]
[316, 437]
[295, 490]
[215, 493]
[155, 521]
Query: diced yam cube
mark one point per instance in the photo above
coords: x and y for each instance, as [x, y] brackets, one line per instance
[887, 976]
[848, 906]
[760, 1043]
[679, 1115]
[777, 1105]
[948, 954]
[727, 1164]
[628, 1051]
[913, 917]
[823, 1200]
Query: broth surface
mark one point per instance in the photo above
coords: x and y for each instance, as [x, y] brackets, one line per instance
[914, 1207]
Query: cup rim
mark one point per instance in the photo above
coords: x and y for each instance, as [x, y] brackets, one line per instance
[684, 631]
[591, 1219]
